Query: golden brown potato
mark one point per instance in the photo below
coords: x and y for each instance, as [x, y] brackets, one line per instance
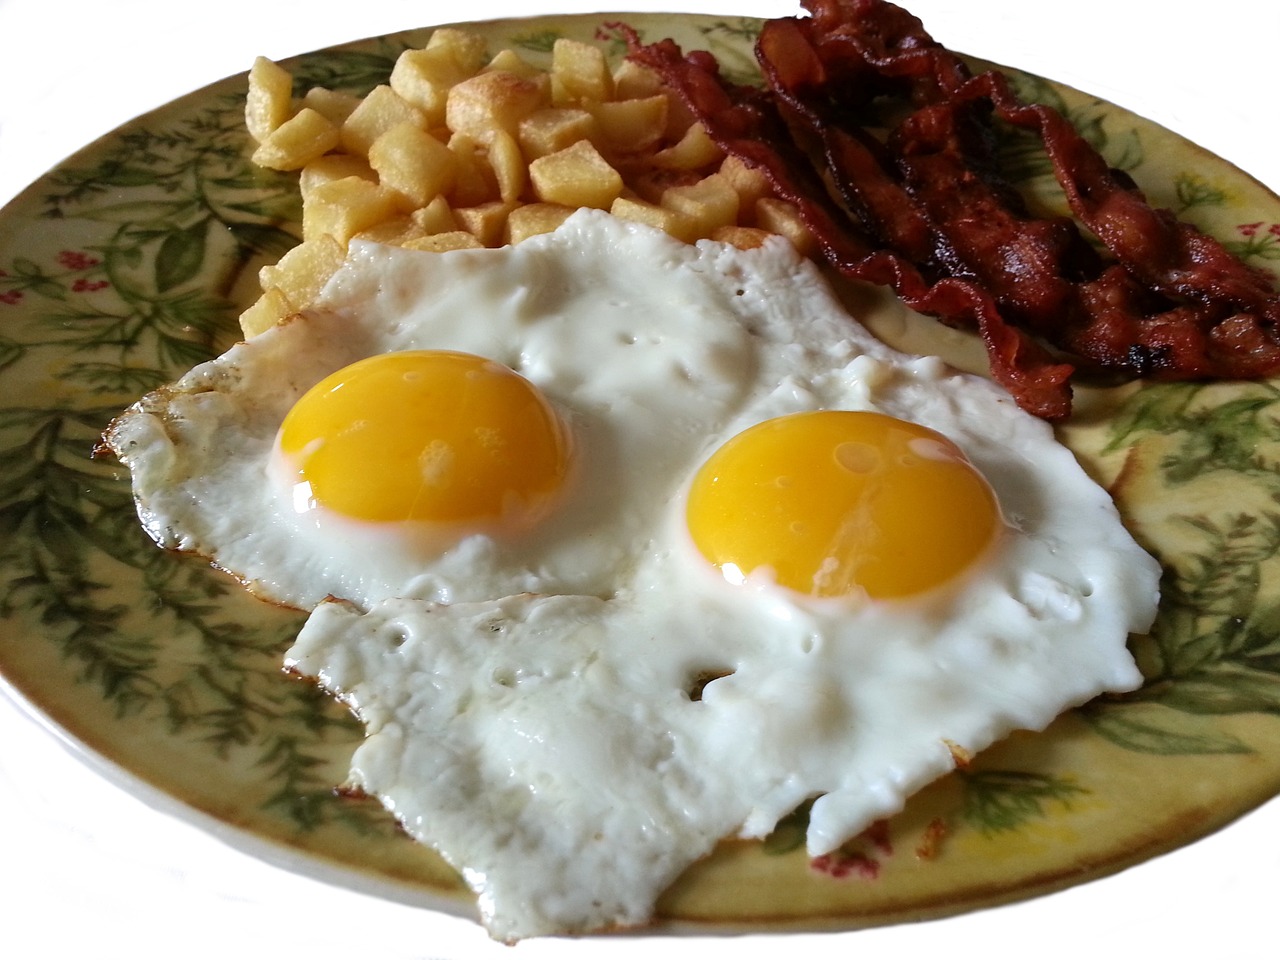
[270, 99]
[709, 204]
[492, 101]
[378, 112]
[304, 270]
[531, 219]
[577, 176]
[553, 129]
[630, 126]
[342, 208]
[441, 242]
[579, 72]
[304, 137]
[408, 159]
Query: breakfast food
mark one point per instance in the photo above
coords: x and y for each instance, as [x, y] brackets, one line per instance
[905, 132]
[551, 685]
[460, 149]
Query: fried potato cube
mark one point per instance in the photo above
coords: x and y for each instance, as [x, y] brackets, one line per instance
[783, 218]
[303, 271]
[333, 166]
[436, 217]
[552, 129]
[265, 312]
[378, 112]
[531, 219]
[484, 222]
[423, 78]
[693, 151]
[630, 126]
[633, 81]
[708, 204]
[491, 101]
[332, 104]
[465, 48]
[475, 182]
[412, 161]
[270, 99]
[343, 208]
[577, 176]
[296, 142]
[670, 221]
[442, 242]
[750, 182]
[511, 62]
[508, 165]
[396, 232]
[744, 238]
[680, 118]
[579, 73]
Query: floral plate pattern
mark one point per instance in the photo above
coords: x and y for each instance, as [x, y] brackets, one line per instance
[129, 263]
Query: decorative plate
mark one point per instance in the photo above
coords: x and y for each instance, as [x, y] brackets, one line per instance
[129, 263]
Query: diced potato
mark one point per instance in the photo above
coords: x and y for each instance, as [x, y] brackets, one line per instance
[296, 142]
[508, 166]
[304, 270]
[475, 182]
[780, 217]
[442, 242]
[629, 126]
[680, 118]
[333, 166]
[378, 112]
[694, 151]
[466, 49]
[750, 182]
[396, 232]
[265, 312]
[579, 72]
[744, 238]
[436, 217]
[343, 208]
[412, 161]
[532, 219]
[423, 78]
[709, 204]
[484, 222]
[512, 62]
[577, 176]
[332, 104]
[632, 80]
[270, 99]
[663, 218]
[553, 129]
[492, 101]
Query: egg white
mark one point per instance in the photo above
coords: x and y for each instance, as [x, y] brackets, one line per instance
[529, 704]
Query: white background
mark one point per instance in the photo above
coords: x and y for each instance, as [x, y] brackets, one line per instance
[86, 867]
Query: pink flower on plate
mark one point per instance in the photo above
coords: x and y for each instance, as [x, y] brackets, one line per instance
[10, 297]
[76, 260]
[84, 285]
[1250, 229]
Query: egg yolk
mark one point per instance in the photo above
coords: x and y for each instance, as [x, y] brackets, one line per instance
[842, 503]
[436, 436]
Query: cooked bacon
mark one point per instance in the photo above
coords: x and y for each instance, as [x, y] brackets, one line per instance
[924, 208]
[748, 124]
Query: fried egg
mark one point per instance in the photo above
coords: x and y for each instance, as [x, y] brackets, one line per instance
[619, 546]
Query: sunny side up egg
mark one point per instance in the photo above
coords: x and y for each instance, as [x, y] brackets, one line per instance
[639, 545]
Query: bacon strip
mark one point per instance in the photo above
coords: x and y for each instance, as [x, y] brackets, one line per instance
[925, 210]
[745, 123]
